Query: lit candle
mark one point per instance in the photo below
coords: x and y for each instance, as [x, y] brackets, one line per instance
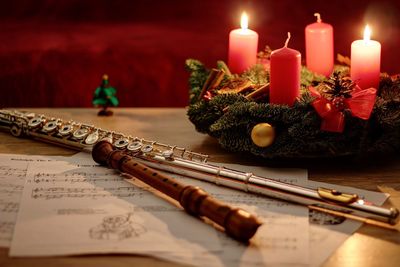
[319, 47]
[285, 75]
[366, 61]
[242, 47]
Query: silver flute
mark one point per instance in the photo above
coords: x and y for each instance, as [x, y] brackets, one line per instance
[83, 137]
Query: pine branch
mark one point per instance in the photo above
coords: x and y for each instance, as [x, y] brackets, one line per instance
[297, 128]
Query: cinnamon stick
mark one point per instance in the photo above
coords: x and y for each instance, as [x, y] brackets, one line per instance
[258, 92]
[217, 80]
[212, 78]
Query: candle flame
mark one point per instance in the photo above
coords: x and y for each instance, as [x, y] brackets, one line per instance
[367, 33]
[244, 21]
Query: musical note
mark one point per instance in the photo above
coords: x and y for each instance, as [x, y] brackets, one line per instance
[250, 199]
[94, 199]
[93, 193]
[8, 207]
[88, 195]
[7, 171]
[278, 239]
[73, 178]
[54, 190]
[13, 170]
[5, 229]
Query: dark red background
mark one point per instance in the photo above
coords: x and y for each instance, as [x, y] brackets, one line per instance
[53, 53]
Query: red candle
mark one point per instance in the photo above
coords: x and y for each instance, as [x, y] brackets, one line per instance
[366, 61]
[285, 75]
[319, 47]
[242, 47]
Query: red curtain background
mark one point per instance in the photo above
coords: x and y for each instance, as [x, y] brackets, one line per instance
[53, 53]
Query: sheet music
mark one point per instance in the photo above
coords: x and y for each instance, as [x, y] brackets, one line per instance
[98, 212]
[322, 240]
[12, 178]
[277, 241]
[63, 195]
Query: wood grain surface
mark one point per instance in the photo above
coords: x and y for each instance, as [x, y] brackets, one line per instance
[369, 246]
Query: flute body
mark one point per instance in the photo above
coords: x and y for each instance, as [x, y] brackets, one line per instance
[83, 137]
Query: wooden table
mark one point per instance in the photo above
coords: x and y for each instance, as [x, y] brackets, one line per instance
[370, 246]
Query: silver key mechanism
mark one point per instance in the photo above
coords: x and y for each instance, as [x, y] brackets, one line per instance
[50, 126]
[135, 146]
[121, 143]
[35, 122]
[81, 133]
[66, 129]
[92, 138]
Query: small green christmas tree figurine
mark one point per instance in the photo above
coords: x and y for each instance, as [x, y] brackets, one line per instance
[104, 96]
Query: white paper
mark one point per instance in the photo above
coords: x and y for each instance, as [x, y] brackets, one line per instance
[264, 249]
[71, 209]
[323, 239]
[282, 239]
[12, 178]
[63, 196]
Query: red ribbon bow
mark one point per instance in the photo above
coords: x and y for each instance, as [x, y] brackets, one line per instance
[360, 105]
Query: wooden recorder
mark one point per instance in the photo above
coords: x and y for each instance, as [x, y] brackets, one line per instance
[237, 223]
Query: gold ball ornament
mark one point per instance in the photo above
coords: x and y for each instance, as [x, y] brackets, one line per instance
[263, 134]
